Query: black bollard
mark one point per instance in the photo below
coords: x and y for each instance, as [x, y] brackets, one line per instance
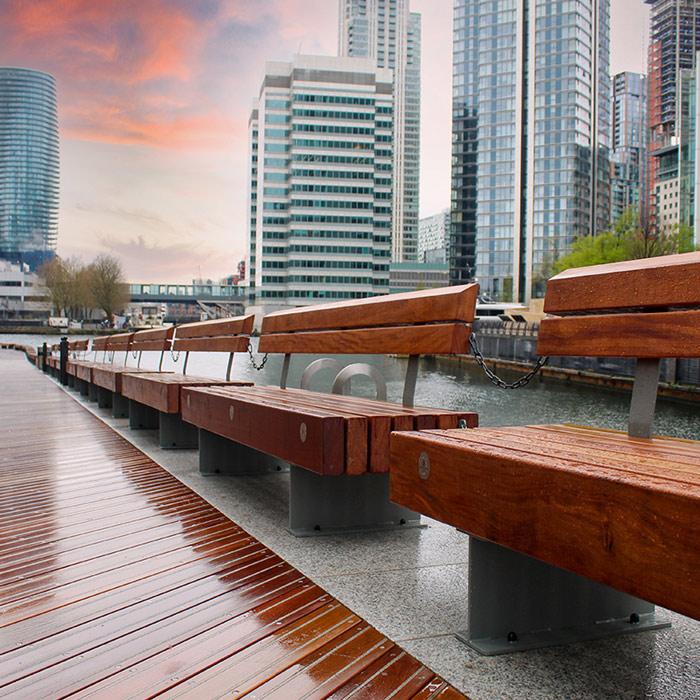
[64, 360]
[44, 357]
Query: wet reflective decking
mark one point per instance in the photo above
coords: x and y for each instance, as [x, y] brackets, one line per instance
[118, 581]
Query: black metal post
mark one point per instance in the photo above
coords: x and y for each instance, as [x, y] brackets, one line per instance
[64, 360]
[44, 356]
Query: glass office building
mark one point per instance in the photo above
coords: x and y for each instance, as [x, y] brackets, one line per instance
[531, 134]
[320, 183]
[29, 169]
[386, 30]
[629, 144]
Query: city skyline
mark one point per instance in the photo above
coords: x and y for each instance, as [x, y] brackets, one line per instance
[154, 99]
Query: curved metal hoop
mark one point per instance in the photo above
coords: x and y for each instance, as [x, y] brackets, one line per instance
[341, 383]
[317, 366]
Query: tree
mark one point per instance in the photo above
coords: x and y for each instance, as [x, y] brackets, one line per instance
[65, 280]
[626, 240]
[108, 285]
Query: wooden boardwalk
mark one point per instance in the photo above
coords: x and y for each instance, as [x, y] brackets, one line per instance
[117, 581]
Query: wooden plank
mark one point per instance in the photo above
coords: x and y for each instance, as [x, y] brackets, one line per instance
[671, 334]
[119, 342]
[78, 345]
[442, 338]
[446, 304]
[238, 325]
[666, 281]
[318, 445]
[100, 343]
[356, 425]
[110, 376]
[153, 339]
[161, 390]
[636, 534]
[211, 344]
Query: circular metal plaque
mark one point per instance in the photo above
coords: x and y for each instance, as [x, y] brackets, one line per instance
[230, 413]
[302, 432]
[424, 465]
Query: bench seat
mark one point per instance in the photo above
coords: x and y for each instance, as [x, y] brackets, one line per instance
[621, 510]
[326, 433]
[162, 390]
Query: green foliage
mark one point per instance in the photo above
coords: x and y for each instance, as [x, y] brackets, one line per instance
[626, 240]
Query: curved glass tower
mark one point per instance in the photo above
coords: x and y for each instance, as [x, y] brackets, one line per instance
[28, 166]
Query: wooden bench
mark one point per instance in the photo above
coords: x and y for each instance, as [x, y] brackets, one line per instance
[337, 445]
[155, 397]
[574, 528]
[107, 378]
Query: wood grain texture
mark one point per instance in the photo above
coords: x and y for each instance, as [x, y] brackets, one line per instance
[237, 325]
[624, 522]
[117, 581]
[161, 390]
[152, 339]
[110, 376]
[100, 343]
[441, 338]
[121, 342]
[670, 280]
[670, 334]
[78, 345]
[212, 344]
[275, 430]
[446, 304]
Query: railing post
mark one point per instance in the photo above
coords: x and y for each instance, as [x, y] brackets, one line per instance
[63, 349]
[44, 356]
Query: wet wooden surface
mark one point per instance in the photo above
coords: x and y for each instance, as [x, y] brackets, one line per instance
[117, 581]
[623, 511]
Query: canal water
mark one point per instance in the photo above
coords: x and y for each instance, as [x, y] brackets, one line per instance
[444, 384]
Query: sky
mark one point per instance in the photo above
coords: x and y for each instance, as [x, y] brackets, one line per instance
[153, 104]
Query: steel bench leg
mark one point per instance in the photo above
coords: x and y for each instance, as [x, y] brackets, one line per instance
[82, 386]
[518, 603]
[120, 406]
[330, 504]
[92, 391]
[175, 433]
[104, 397]
[142, 417]
[219, 455]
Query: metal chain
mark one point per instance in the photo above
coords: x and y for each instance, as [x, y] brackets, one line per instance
[252, 359]
[172, 356]
[541, 362]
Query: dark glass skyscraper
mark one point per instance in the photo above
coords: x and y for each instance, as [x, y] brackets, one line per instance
[29, 169]
[531, 135]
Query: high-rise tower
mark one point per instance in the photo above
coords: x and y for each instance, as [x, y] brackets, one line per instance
[386, 30]
[320, 182]
[675, 38]
[28, 166]
[629, 143]
[531, 133]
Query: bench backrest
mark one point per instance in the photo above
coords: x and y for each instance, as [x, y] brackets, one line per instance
[99, 344]
[646, 309]
[76, 346]
[410, 323]
[121, 342]
[638, 308]
[159, 339]
[219, 335]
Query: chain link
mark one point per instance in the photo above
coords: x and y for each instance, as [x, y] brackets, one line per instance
[172, 355]
[252, 359]
[541, 362]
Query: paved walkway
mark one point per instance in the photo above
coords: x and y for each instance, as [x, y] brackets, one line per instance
[117, 581]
